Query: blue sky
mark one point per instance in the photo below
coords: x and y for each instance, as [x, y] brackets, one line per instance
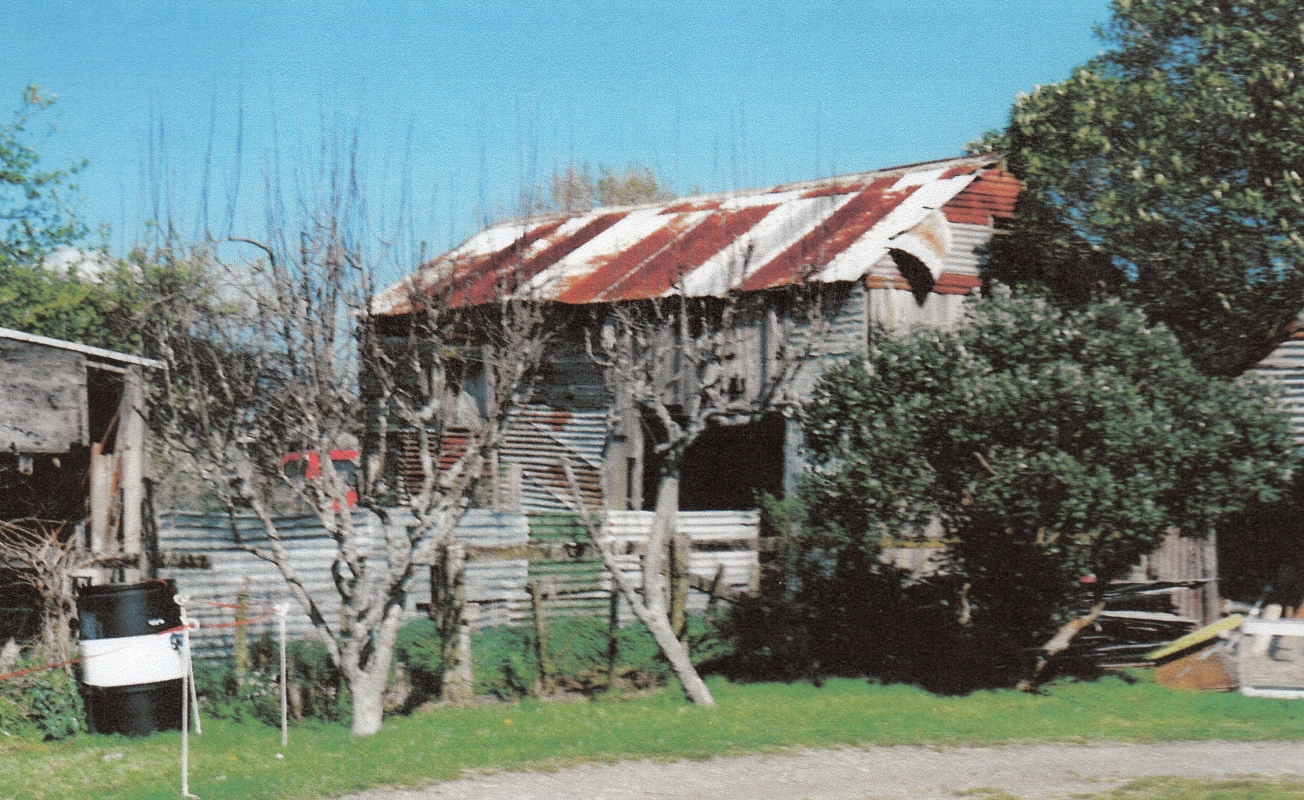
[455, 102]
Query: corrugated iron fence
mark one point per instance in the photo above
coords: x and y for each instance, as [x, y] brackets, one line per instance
[198, 551]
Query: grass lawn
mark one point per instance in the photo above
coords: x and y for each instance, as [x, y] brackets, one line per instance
[239, 760]
[1178, 789]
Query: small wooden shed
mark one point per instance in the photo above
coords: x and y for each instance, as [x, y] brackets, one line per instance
[73, 446]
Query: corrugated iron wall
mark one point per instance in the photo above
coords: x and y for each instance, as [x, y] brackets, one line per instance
[538, 437]
[711, 533]
[1285, 368]
[495, 584]
[497, 587]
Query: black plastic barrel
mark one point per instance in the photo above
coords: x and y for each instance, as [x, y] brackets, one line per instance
[131, 668]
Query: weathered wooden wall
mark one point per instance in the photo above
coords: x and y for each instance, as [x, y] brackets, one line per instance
[42, 398]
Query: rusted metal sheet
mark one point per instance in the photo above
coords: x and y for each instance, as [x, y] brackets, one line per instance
[830, 230]
[200, 555]
[1205, 670]
[1284, 367]
[537, 438]
[992, 194]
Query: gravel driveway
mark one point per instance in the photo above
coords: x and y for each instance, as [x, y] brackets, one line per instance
[917, 773]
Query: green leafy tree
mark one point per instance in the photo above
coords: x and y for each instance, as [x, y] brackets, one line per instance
[1168, 170]
[1051, 444]
[36, 205]
[37, 216]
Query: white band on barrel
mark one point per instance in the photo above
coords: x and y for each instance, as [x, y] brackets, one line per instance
[130, 660]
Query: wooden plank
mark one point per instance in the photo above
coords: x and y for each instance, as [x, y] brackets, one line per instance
[42, 398]
[130, 447]
[1192, 639]
[714, 588]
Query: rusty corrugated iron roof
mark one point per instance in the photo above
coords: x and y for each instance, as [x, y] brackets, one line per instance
[835, 229]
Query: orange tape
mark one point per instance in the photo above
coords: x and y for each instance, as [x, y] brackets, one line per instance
[178, 629]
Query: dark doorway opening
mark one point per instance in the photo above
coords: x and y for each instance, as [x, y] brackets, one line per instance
[727, 469]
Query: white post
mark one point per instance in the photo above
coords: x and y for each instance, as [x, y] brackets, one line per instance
[187, 681]
[194, 693]
[281, 610]
[129, 448]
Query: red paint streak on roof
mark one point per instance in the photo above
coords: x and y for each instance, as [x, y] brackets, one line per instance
[821, 245]
[611, 270]
[834, 190]
[947, 283]
[661, 272]
[991, 194]
[955, 283]
[559, 250]
[958, 170]
[479, 280]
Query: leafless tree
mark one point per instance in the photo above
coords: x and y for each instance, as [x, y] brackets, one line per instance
[679, 366]
[282, 354]
[36, 553]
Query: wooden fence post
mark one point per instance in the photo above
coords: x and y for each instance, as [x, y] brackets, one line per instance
[713, 602]
[613, 634]
[1209, 567]
[241, 644]
[680, 553]
[541, 639]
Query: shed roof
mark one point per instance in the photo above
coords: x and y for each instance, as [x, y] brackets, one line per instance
[833, 229]
[99, 353]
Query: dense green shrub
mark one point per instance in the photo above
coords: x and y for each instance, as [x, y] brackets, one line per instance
[505, 663]
[314, 684]
[41, 705]
[1050, 448]
[506, 666]
[418, 648]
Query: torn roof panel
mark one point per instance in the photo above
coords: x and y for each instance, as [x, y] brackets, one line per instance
[828, 230]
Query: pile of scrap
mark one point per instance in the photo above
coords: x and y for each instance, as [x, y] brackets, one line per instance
[1261, 654]
[1270, 654]
[1138, 617]
[1199, 660]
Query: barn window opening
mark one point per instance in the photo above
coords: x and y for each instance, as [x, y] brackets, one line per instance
[915, 272]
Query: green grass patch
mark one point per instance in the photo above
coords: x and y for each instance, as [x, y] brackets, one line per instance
[1186, 789]
[238, 760]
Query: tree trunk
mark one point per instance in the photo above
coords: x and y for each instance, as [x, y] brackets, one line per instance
[449, 605]
[368, 686]
[651, 608]
[657, 617]
[655, 590]
[368, 702]
[1059, 643]
[677, 654]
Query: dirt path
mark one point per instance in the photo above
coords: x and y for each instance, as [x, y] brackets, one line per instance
[915, 773]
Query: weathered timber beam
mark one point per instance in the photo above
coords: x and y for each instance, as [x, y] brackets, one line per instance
[178, 560]
[119, 561]
[707, 585]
